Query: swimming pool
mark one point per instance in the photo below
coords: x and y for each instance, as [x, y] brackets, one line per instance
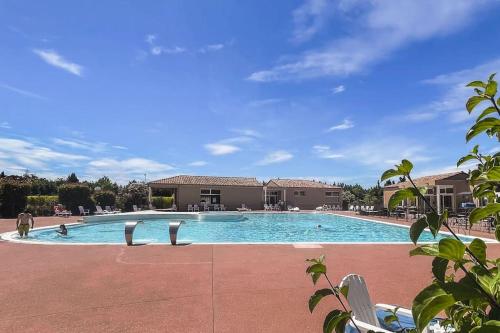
[254, 228]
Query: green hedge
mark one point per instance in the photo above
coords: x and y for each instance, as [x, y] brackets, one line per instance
[13, 195]
[42, 205]
[73, 195]
[105, 198]
[162, 202]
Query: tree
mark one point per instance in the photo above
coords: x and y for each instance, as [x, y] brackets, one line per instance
[72, 178]
[133, 194]
[466, 283]
[13, 196]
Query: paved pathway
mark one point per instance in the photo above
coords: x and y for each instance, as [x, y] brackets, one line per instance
[197, 288]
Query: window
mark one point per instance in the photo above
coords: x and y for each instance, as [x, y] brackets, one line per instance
[332, 194]
[210, 196]
[447, 190]
[299, 193]
[430, 191]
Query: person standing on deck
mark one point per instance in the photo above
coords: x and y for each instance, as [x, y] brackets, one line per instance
[23, 223]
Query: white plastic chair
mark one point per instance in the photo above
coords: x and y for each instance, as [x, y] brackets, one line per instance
[364, 312]
[190, 208]
[196, 208]
[83, 211]
[222, 207]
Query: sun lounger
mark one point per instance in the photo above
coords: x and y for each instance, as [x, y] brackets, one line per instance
[100, 211]
[243, 208]
[134, 207]
[364, 312]
[222, 207]
[83, 211]
[59, 211]
[112, 211]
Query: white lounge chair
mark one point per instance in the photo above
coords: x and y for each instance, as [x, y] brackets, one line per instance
[222, 207]
[83, 211]
[173, 208]
[196, 208]
[134, 207]
[216, 207]
[112, 211]
[100, 211]
[364, 312]
[243, 208]
[190, 208]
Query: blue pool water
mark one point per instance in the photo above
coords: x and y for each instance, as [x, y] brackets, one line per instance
[258, 228]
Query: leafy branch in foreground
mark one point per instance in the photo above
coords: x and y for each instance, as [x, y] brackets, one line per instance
[471, 299]
[466, 283]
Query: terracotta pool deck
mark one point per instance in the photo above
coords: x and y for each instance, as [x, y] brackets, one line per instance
[196, 288]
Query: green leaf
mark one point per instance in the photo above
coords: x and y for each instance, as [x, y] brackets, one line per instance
[390, 319]
[493, 174]
[463, 290]
[491, 76]
[345, 290]
[497, 232]
[318, 296]
[487, 111]
[316, 268]
[481, 126]
[417, 228]
[428, 303]
[337, 320]
[479, 84]
[439, 267]
[478, 248]
[435, 221]
[389, 174]
[401, 195]
[479, 213]
[491, 88]
[465, 158]
[473, 101]
[405, 167]
[491, 326]
[425, 250]
[451, 249]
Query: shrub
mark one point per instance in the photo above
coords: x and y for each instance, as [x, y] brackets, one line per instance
[133, 194]
[74, 195]
[162, 202]
[13, 195]
[42, 205]
[105, 198]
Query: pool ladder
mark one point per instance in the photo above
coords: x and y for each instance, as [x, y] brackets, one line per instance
[130, 228]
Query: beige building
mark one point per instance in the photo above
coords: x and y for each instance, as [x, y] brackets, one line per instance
[232, 192]
[305, 194]
[444, 191]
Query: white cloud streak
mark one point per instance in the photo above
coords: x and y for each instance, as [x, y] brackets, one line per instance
[326, 152]
[274, 157]
[198, 163]
[309, 19]
[382, 27]
[55, 59]
[338, 89]
[218, 149]
[346, 124]
[21, 91]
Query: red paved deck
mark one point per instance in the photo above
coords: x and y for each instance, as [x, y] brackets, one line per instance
[221, 288]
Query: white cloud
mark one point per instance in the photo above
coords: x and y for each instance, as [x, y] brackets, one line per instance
[211, 48]
[150, 39]
[5, 125]
[248, 132]
[198, 163]
[454, 94]
[221, 148]
[119, 147]
[53, 58]
[278, 156]
[29, 155]
[21, 91]
[127, 169]
[381, 28]
[338, 89]
[309, 19]
[81, 144]
[159, 50]
[346, 124]
[325, 152]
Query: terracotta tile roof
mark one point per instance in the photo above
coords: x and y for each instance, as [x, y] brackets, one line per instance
[427, 180]
[278, 182]
[208, 180]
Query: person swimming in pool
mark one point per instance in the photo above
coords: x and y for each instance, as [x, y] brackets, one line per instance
[319, 226]
[62, 230]
[23, 223]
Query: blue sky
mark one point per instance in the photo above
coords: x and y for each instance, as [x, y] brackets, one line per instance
[331, 90]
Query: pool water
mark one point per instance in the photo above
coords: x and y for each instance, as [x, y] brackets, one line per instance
[255, 228]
